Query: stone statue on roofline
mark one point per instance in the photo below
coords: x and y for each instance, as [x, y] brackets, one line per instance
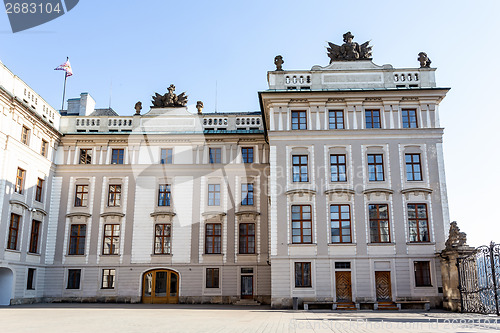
[170, 99]
[199, 107]
[138, 108]
[424, 60]
[456, 238]
[278, 61]
[349, 51]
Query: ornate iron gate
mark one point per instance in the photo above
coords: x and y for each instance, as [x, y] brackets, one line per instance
[479, 280]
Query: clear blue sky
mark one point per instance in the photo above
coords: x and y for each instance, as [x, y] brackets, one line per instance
[144, 46]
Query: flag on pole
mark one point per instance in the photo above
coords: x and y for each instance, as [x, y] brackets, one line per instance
[65, 67]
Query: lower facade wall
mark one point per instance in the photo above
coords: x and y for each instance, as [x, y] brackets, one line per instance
[363, 284]
[128, 284]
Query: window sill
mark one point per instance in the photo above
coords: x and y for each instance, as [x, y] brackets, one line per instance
[342, 244]
[420, 243]
[302, 244]
[213, 254]
[380, 244]
[110, 255]
[34, 254]
[75, 255]
[13, 251]
[160, 255]
[247, 254]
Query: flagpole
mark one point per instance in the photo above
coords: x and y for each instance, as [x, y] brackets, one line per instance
[64, 90]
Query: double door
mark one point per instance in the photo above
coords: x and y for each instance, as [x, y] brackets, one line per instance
[160, 287]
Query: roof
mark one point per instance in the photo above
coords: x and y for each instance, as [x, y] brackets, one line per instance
[104, 112]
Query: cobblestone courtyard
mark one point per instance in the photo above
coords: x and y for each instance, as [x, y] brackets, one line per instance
[212, 318]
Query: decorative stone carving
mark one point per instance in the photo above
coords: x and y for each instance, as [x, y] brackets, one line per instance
[199, 106]
[424, 60]
[278, 61]
[349, 50]
[138, 108]
[456, 238]
[170, 99]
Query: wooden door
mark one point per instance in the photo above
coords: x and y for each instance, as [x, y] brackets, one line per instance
[343, 286]
[383, 286]
[160, 287]
[247, 286]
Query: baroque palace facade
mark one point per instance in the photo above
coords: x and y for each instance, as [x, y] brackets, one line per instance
[334, 192]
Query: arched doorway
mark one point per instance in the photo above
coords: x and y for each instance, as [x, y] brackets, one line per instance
[160, 286]
[6, 280]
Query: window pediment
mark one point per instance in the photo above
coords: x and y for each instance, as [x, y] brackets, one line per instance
[247, 215]
[377, 192]
[349, 193]
[18, 203]
[416, 191]
[214, 216]
[300, 194]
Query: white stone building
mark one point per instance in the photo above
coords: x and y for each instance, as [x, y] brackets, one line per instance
[335, 193]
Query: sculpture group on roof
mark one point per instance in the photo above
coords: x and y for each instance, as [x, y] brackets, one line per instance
[349, 50]
[170, 99]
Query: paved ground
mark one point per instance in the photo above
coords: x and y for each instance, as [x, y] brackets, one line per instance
[97, 318]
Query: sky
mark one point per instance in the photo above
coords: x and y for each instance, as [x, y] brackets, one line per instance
[219, 52]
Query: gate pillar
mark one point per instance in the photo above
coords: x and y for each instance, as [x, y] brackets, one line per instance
[456, 247]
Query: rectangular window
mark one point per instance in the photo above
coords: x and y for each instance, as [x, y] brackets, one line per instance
[299, 120]
[212, 278]
[114, 195]
[108, 279]
[422, 274]
[247, 194]
[164, 195]
[375, 167]
[19, 187]
[379, 223]
[35, 236]
[247, 238]
[117, 156]
[336, 119]
[342, 265]
[25, 135]
[166, 156]
[81, 195]
[409, 118]
[302, 274]
[340, 220]
[85, 156]
[30, 283]
[418, 223]
[215, 155]
[77, 239]
[299, 168]
[44, 149]
[247, 154]
[39, 190]
[74, 278]
[413, 167]
[111, 244]
[163, 244]
[338, 168]
[213, 194]
[213, 238]
[372, 118]
[15, 221]
[301, 224]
